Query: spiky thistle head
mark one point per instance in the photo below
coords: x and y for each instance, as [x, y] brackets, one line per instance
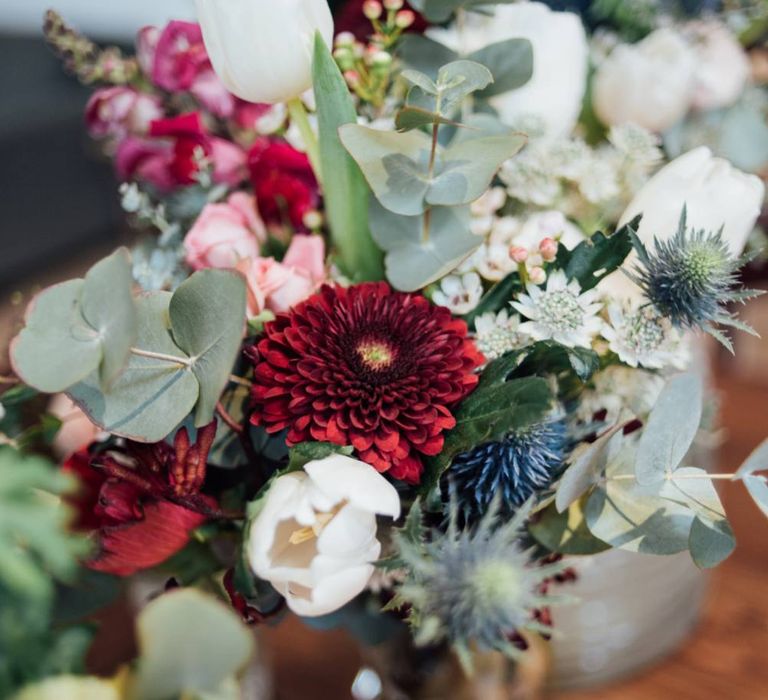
[473, 585]
[512, 469]
[691, 278]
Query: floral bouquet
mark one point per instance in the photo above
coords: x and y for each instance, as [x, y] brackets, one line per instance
[409, 322]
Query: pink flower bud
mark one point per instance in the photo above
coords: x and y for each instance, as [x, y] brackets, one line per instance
[518, 254]
[372, 9]
[548, 249]
[404, 19]
[537, 275]
[346, 39]
[352, 77]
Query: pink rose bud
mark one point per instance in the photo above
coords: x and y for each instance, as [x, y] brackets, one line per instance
[372, 9]
[393, 4]
[537, 275]
[404, 19]
[548, 249]
[518, 254]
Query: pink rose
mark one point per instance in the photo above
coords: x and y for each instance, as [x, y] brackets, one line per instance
[76, 430]
[176, 60]
[278, 286]
[168, 158]
[116, 112]
[225, 234]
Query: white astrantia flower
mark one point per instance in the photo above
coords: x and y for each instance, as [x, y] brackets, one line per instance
[314, 539]
[636, 143]
[498, 333]
[618, 389]
[561, 312]
[460, 294]
[643, 338]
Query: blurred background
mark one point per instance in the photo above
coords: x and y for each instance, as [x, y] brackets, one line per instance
[60, 212]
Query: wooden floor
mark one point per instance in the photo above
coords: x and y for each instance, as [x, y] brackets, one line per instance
[726, 657]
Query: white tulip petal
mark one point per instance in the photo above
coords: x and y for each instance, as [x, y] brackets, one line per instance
[331, 594]
[350, 533]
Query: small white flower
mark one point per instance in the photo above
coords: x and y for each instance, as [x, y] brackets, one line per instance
[497, 334]
[493, 261]
[561, 312]
[600, 183]
[617, 389]
[489, 203]
[530, 178]
[641, 337]
[459, 294]
[315, 537]
[636, 143]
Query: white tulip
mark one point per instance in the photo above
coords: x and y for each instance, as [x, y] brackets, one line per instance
[722, 65]
[556, 89]
[648, 84]
[315, 538]
[262, 49]
[714, 193]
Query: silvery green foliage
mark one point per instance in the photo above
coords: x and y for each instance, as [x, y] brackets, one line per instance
[473, 586]
[757, 484]
[691, 278]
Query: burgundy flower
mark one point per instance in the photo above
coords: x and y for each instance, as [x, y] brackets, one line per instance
[167, 159]
[143, 504]
[176, 60]
[350, 18]
[283, 182]
[368, 367]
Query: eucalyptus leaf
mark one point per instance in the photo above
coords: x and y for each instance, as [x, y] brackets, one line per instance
[421, 80]
[151, 397]
[756, 484]
[395, 165]
[710, 546]
[410, 118]
[415, 259]
[670, 429]
[510, 62]
[466, 169]
[345, 192]
[565, 532]
[207, 314]
[457, 80]
[424, 55]
[190, 645]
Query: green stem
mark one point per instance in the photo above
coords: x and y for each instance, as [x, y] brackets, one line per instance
[299, 117]
[431, 174]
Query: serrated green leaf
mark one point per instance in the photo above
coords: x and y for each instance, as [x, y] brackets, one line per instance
[511, 63]
[594, 259]
[108, 308]
[207, 314]
[152, 397]
[549, 357]
[670, 429]
[190, 644]
[345, 192]
[414, 260]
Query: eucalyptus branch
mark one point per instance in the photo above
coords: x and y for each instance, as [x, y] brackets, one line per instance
[174, 359]
[675, 477]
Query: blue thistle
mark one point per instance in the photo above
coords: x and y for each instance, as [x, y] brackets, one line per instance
[691, 278]
[513, 469]
[471, 586]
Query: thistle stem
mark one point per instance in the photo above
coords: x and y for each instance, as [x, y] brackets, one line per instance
[183, 361]
[298, 114]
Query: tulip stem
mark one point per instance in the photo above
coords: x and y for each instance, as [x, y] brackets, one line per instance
[299, 117]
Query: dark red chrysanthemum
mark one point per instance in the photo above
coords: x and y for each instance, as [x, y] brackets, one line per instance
[368, 367]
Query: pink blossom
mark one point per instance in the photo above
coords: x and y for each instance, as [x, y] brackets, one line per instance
[116, 112]
[76, 432]
[225, 233]
[262, 119]
[278, 286]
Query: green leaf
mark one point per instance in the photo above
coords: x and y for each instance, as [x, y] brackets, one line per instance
[108, 308]
[424, 55]
[586, 467]
[670, 429]
[190, 644]
[458, 80]
[593, 260]
[410, 118]
[466, 168]
[440, 11]
[301, 454]
[344, 190]
[207, 314]
[549, 357]
[489, 413]
[421, 80]
[511, 63]
[395, 165]
[710, 546]
[152, 397]
[91, 592]
[756, 484]
[565, 532]
[413, 261]
[56, 349]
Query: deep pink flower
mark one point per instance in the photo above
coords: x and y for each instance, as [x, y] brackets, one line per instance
[167, 159]
[116, 112]
[283, 181]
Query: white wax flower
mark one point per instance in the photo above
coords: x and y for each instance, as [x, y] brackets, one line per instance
[560, 57]
[648, 83]
[315, 538]
[460, 294]
[262, 49]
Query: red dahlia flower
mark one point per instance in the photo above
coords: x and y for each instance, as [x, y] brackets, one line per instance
[368, 367]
